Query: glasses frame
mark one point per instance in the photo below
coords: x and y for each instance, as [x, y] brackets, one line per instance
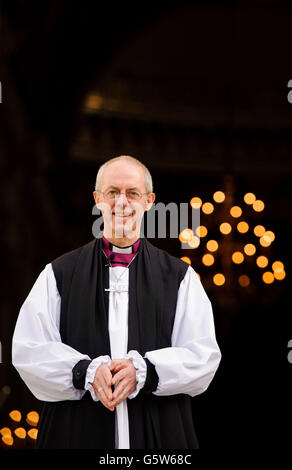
[111, 199]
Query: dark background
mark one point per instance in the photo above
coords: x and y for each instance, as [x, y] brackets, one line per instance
[196, 91]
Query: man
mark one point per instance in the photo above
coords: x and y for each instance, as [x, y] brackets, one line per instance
[117, 335]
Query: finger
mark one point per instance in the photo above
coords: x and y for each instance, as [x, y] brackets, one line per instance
[105, 383]
[107, 403]
[122, 392]
[117, 369]
[119, 376]
[119, 390]
[117, 366]
[105, 389]
[116, 362]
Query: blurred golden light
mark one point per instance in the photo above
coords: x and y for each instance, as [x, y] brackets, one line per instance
[269, 236]
[32, 418]
[237, 257]
[208, 259]
[194, 242]
[258, 205]
[8, 440]
[219, 196]
[265, 241]
[212, 245]
[20, 433]
[259, 230]
[15, 415]
[196, 202]
[5, 432]
[268, 277]
[33, 433]
[93, 102]
[280, 275]
[242, 227]
[235, 211]
[249, 198]
[207, 208]
[186, 235]
[198, 275]
[244, 280]
[201, 231]
[262, 261]
[225, 228]
[249, 249]
[277, 266]
[186, 259]
[219, 279]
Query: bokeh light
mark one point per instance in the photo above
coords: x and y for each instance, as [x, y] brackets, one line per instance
[219, 196]
[277, 266]
[186, 235]
[201, 231]
[225, 228]
[249, 249]
[243, 280]
[208, 259]
[262, 261]
[207, 208]
[194, 242]
[280, 275]
[249, 198]
[196, 202]
[235, 211]
[268, 277]
[258, 205]
[237, 257]
[242, 227]
[219, 279]
[212, 245]
[186, 259]
[259, 230]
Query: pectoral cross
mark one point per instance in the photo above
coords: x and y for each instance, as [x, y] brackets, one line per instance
[116, 290]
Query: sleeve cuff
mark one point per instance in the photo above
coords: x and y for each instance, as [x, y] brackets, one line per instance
[79, 373]
[141, 371]
[91, 370]
[152, 378]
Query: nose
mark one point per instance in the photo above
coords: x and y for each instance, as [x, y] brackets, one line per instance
[121, 200]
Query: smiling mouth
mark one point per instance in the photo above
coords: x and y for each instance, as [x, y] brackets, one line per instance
[122, 215]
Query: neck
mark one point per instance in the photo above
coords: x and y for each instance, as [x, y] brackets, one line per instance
[124, 241]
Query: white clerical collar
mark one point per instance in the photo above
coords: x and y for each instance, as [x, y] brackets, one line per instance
[119, 249]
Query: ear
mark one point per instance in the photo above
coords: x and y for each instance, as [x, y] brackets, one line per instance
[97, 198]
[149, 201]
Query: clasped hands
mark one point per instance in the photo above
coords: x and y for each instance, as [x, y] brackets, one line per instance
[121, 371]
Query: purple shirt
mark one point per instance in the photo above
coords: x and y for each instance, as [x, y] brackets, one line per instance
[120, 259]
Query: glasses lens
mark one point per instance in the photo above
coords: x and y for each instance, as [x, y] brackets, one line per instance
[133, 195]
[130, 195]
[111, 194]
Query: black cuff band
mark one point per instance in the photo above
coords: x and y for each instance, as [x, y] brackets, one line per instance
[79, 373]
[152, 378]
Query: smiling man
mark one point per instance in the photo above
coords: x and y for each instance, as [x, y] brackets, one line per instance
[117, 336]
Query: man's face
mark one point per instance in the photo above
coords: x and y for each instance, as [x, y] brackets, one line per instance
[122, 217]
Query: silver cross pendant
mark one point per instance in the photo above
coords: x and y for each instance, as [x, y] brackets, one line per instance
[116, 290]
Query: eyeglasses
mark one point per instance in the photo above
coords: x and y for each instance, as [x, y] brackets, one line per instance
[130, 194]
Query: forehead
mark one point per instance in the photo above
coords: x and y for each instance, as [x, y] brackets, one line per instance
[123, 173]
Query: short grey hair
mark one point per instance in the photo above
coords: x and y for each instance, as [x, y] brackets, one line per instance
[147, 175]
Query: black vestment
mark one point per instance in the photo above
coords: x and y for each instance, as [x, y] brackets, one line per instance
[155, 422]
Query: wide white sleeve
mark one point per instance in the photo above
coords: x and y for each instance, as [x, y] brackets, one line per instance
[44, 363]
[189, 365]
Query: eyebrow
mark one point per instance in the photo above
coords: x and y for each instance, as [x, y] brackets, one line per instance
[129, 189]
